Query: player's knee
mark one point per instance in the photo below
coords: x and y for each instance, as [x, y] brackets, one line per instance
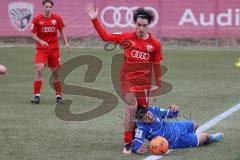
[203, 138]
[39, 72]
[130, 99]
[39, 69]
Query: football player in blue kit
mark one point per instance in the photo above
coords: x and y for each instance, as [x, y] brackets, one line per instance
[152, 121]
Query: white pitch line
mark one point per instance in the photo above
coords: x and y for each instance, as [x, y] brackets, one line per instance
[6, 46]
[205, 126]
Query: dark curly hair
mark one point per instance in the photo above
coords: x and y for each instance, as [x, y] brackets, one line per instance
[144, 14]
[141, 112]
[47, 1]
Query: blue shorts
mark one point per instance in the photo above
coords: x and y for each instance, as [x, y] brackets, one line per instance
[188, 137]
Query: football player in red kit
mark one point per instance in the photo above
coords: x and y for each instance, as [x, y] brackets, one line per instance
[45, 31]
[141, 49]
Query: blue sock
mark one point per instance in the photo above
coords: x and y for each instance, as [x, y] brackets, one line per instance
[210, 140]
[217, 137]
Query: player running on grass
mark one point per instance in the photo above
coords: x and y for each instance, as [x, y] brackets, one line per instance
[151, 122]
[140, 49]
[45, 31]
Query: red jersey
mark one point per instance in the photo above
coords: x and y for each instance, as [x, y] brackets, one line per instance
[46, 29]
[139, 54]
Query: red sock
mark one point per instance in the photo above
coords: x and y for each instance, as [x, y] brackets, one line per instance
[127, 137]
[58, 88]
[37, 85]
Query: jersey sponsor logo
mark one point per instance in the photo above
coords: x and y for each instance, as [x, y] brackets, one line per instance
[138, 133]
[20, 15]
[140, 55]
[122, 16]
[48, 29]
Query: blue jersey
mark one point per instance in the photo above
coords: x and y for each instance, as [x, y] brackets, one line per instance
[159, 127]
[178, 134]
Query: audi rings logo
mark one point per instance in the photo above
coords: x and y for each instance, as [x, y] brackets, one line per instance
[123, 16]
[48, 29]
[140, 55]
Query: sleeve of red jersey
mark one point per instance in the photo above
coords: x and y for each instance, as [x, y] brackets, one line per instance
[60, 23]
[34, 25]
[158, 53]
[157, 66]
[114, 37]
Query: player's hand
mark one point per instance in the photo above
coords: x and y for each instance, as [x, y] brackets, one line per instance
[44, 44]
[174, 107]
[68, 47]
[142, 149]
[91, 11]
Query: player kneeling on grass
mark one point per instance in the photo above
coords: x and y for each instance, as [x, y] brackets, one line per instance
[152, 121]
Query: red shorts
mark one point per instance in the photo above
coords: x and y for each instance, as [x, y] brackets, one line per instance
[49, 57]
[142, 98]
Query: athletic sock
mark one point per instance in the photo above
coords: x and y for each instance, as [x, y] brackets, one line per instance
[217, 137]
[127, 137]
[58, 88]
[37, 85]
[214, 138]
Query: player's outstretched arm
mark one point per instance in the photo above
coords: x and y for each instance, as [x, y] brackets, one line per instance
[64, 37]
[142, 149]
[93, 14]
[138, 146]
[174, 107]
[173, 111]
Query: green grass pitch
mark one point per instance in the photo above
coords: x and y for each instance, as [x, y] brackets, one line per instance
[204, 80]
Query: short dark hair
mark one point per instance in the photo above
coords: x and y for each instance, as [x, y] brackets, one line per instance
[141, 112]
[144, 14]
[47, 1]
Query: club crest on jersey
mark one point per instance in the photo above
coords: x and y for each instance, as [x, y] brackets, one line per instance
[149, 48]
[54, 22]
[20, 14]
[138, 133]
